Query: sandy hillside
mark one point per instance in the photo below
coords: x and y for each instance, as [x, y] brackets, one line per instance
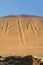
[21, 35]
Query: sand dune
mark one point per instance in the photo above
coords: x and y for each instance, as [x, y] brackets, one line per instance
[21, 35]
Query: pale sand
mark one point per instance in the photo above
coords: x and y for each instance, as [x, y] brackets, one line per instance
[21, 35]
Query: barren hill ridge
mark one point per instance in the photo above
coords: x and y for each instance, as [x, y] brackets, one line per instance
[21, 34]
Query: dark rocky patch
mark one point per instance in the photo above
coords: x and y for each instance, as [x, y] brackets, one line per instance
[13, 60]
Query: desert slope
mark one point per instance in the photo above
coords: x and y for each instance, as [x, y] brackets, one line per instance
[21, 35]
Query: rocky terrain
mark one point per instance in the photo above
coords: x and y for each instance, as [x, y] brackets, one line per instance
[20, 60]
[21, 35]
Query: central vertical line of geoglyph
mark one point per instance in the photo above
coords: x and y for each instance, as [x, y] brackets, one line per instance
[6, 28]
[22, 36]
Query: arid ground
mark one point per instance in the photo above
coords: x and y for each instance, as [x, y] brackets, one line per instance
[21, 35]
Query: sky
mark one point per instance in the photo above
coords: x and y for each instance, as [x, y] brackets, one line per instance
[17, 7]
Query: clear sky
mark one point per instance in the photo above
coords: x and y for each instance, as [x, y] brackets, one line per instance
[16, 7]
